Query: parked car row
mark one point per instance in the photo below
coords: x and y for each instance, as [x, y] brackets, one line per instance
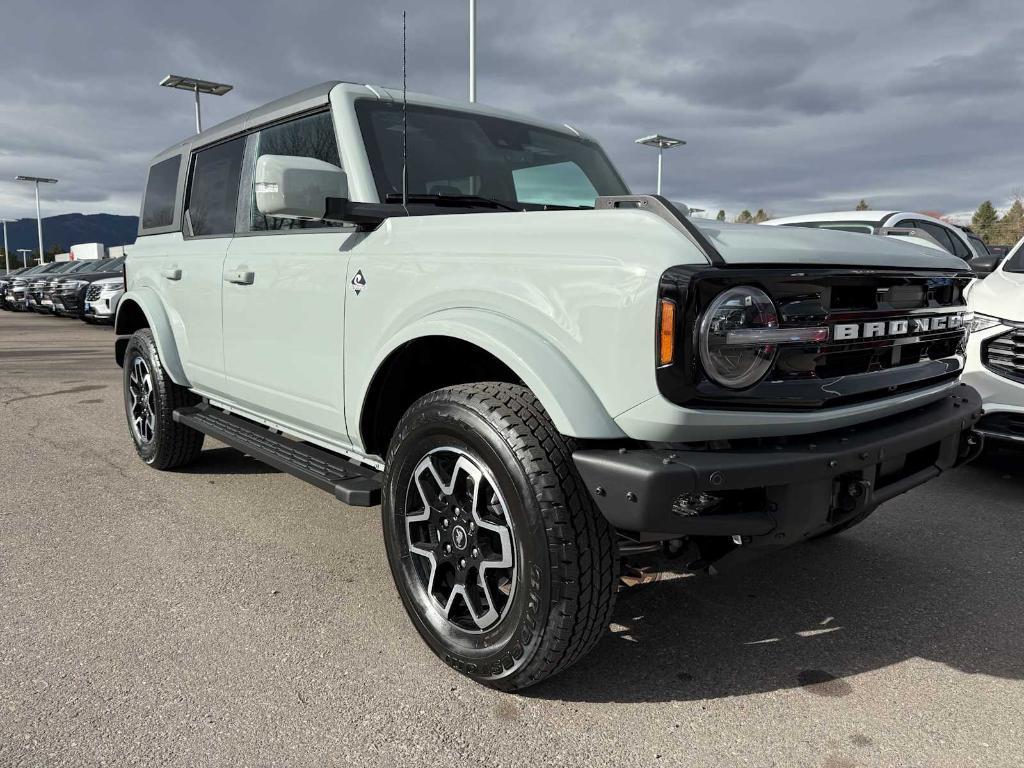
[87, 290]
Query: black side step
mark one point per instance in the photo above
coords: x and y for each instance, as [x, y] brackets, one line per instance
[351, 483]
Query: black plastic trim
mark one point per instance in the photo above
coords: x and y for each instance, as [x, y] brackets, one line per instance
[352, 483]
[670, 213]
[797, 478]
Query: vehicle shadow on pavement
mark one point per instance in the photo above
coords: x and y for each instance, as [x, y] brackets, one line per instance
[938, 579]
[226, 461]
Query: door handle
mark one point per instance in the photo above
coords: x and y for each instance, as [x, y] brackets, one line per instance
[241, 278]
[171, 274]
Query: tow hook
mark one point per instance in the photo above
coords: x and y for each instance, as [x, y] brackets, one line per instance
[855, 495]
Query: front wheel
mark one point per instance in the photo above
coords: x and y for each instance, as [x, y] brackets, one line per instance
[503, 563]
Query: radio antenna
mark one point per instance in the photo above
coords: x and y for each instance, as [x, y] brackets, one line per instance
[405, 131]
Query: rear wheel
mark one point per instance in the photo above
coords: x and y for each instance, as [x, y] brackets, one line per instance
[150, 399]
[503, 563]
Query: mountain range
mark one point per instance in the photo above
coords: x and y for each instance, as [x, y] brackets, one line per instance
[69, 229]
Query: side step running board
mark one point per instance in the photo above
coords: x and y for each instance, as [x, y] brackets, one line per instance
[351, 483]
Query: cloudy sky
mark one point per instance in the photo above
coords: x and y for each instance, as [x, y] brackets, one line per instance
[788, 105]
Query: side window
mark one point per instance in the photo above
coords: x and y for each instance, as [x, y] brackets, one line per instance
[213, 188]
[562, 183]
[310, 136]
[161, 189]
[979, 246]
[959, 246]
[940, 233]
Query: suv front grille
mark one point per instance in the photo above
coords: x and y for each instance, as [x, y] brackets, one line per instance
[841, 371]
[1004, 354]
[93, 293]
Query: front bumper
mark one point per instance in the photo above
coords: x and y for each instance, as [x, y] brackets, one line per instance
[775, 493]
[1002, 396]
[101, 309]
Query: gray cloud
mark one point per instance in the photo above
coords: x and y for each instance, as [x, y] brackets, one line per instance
[786, 104]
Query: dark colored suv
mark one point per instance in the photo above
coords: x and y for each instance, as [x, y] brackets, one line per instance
[68, 294]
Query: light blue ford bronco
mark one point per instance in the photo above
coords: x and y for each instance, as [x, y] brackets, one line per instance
[465, 316]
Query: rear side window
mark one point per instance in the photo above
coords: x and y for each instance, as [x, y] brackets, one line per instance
[213, 188]
[161, 189]
[979, 246]
[310, 136]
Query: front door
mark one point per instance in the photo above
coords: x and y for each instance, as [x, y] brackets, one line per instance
[284, 290]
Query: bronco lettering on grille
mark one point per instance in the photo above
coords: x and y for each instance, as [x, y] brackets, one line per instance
[898, 327]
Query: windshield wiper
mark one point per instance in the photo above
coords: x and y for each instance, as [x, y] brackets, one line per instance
[455, 200]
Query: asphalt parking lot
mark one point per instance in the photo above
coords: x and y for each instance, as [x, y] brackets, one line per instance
[232, 615]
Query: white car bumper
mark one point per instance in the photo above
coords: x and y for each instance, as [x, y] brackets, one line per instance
[1001, 387]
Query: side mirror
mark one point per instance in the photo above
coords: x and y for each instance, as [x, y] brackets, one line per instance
[290, 187]
[983, 265]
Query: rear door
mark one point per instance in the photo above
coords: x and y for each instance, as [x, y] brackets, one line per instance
[284, 298]
[191, 275]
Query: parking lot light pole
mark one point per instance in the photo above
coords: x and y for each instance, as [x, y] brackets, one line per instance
[24, 258]
[472, 51]
[37, 180]
[197, 87]
[662, 143]
[7, 253]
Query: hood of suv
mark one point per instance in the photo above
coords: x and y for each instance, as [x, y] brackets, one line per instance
[750, 244]
[1000, 294]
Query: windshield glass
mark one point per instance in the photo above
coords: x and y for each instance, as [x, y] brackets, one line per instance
[463, 153]
[1015, 261]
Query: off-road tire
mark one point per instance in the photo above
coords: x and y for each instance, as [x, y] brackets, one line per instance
[565, 584]
[172, 444]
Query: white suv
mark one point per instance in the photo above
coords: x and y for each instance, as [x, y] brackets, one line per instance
[960, 241]
[995, 364]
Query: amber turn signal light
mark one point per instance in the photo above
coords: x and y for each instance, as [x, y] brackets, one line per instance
[666, 331]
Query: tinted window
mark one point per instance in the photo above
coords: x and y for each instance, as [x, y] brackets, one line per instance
[452, 152]
[941, 234]
[213, 190]
[979, 245]
[161, 190]
[311, 136]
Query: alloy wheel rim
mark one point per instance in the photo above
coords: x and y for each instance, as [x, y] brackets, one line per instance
[142, 408]
[461, 540]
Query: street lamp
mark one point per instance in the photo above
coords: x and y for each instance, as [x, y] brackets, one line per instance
[24, 258]
[7, 253]
[472, 50]
[37, 180]
[197, 87]
[662, 143]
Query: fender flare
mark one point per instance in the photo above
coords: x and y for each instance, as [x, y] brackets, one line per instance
[572, 404]
[149, 303]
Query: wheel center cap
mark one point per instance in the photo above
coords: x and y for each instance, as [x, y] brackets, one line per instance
[459, 537]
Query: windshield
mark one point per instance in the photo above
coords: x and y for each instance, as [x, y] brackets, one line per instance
[464, 153]
[1015, 261]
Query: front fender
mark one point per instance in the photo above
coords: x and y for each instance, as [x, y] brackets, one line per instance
[128, 320]
[573, 406]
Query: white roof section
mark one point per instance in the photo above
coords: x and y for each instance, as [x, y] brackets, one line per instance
[875, 216]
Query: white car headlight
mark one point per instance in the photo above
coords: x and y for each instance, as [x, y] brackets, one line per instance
[978, 322]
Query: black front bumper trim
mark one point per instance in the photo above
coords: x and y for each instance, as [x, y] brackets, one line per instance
[799, 486]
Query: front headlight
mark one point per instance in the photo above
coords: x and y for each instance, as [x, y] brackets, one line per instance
[976, 322]
[733, 356]
[112, 287]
